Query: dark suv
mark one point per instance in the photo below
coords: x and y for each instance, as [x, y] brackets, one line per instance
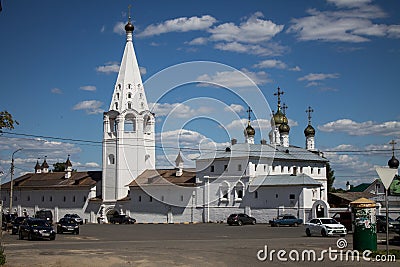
[33, 228]
[240, 219]
[45, 215]
[122, 219]
[15, 225]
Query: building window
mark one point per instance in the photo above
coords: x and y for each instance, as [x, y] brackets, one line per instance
[28, 198]
[65, 198]
[129, 86]
[151, 199]
[140, 198]
[15, 198]
[111, 159]
[129, 105]
[240, 167]
[312, 170]
[265, 168]
[212, 168]
[73, 199]
[42, 198]
[292, 196]
[255, 194]
[255, 167]
[294, 170]
[225, 194]
[50, 198]
[181, 197]
[276, 195]
[225, 167]
[239, 191]
[116, 105]
[301, 169]
[117, 96]
[140, 95]
[84, 198]
[162, 198]
[119, 86]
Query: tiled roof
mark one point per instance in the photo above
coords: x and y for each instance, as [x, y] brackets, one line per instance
[284, 180]
[56, 180]
[351, 196]
[165, 177]
[265, 151]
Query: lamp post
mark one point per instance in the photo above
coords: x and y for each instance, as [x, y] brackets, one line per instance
[12, 182]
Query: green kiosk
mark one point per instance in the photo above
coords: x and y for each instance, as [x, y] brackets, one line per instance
[364, 234]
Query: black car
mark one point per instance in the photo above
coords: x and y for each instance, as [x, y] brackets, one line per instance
[45, 215]
[15, 225]
[381, 224]
[75, 217]
[34, 228]
[67, 225]
[240, 219]
[122, 219]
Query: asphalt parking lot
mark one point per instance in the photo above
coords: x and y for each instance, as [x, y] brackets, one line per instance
[176, 245]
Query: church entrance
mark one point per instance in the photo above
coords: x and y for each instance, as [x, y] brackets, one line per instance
[320, 209]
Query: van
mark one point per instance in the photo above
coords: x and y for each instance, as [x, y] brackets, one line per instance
[45, 215]
[344, 217]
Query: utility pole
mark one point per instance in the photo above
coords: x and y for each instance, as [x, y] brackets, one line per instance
[12, 182]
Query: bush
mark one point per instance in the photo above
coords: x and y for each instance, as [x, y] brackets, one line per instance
[2, 255]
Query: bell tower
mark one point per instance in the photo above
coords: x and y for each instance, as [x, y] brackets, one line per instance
[128, 128]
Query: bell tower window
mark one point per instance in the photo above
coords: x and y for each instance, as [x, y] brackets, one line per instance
[130, 123]
[129, 95]
[129, 105]
[116, 105]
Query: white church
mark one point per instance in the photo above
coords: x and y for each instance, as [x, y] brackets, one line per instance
[262, 180]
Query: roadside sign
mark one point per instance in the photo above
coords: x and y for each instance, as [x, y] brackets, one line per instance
[386, 175]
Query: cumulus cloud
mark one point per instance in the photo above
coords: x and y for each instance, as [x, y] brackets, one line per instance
[90, 106]
[109, 67]
[183, 24]
[319, 76]
[90, 88]
[389, 128]
[56, 91]
[353, 22]
[119, 28]
[271, 63]
[234, 107]
[178, 110]
[234, 79]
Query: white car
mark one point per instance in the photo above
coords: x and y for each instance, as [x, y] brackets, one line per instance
[324, 227]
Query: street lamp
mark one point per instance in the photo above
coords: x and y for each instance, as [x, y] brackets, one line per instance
[12, 182]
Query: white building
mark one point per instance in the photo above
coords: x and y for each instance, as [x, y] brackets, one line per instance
[262, 180]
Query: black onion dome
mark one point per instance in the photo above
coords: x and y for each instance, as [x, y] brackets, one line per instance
[284, 128]
[393, 163]
[309, 131]
[249, 131]
[129, 27]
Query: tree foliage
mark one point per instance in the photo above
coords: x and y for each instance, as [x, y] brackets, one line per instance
[330, 175]
[60, 167]
[6, 120]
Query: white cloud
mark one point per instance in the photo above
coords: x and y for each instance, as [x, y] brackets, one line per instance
[178, 110]
[119, 28]
[389, 128]
[142, 70]
[56, 91]
[90, 106]
[109, 67]
[319, 76]
[103, 29]
[352, 22]
[198, 41]
[254, 30]
[271, 63]
[183, 24]
[90, 88]
[234, 79]
[253, 49]
[235, 108]
[297, 68]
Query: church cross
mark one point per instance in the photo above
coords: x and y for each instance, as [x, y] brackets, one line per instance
[284, 108]
[392, 143]
[309, 111]
[249, 113]
[279, 93]
[129, 12]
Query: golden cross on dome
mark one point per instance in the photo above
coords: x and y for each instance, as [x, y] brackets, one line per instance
[279, 93]
[392, 143]
[309, 111]
[249, 113]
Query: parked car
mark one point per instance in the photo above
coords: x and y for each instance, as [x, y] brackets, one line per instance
[122, 219]
[34, 228]
[344, 217]
[381, 224]
[325, 227]
[15, 225]
[240, 219]
[75, 217]
[67, 225]
[45, 215]
[286, 219]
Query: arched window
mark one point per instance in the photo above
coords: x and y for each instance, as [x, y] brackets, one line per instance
[239, 191]
[111, 159]
[147, 125]
[116, 105]
[129, 86]
[119, 86]
[224, 191]
[129, 95]
[118, 96]
[130, 123]
[129, 105]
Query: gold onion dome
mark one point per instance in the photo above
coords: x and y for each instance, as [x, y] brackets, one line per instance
[284, 128]
[309, 131]
[249, 131]
[279, 118]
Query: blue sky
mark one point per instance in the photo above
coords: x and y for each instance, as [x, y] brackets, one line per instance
[59, 63]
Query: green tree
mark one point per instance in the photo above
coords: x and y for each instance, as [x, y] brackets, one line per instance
[60, 167]
[330, 175]
[6, 120]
